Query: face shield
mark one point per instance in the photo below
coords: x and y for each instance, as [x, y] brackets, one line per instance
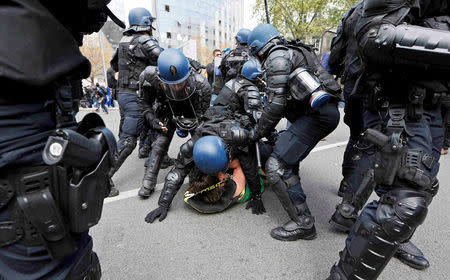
[178, 92]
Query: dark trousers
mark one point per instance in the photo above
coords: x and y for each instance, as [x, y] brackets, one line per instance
[299, 139]
[132, 118]
[427, 136]
[353, 118]
[24, 132]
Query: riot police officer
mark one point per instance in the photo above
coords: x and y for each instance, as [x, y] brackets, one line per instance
[298, 88]
[358, 157]
[137, 50]
[345, 62]
[241, 94]
[225, 120]
[173, 97]
[50, 167]
[233, 129]
[232, 62]
[403, 86]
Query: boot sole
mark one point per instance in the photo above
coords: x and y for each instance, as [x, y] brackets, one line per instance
[294, 238]
[339, 226]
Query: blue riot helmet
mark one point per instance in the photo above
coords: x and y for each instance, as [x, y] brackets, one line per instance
[174, 69]
[140, 19]
[242, 36]
[260, 36]
[251, 70]
[210, 154]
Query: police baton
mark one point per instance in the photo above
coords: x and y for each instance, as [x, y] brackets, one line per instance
[258, 155]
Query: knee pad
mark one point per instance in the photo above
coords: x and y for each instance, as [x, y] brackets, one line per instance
[274, 170]
[174, 177]
[367, 253]
[401, 211]
[187, 148]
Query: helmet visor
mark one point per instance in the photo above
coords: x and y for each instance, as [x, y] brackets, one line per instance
[178, 92]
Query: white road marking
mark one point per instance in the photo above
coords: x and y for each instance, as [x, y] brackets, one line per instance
[133, 193]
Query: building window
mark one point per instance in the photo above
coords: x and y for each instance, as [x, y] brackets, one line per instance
[179, 24]
[226, 35]
[167, 8]
[220, 33]
[220, 22]
[169, 35]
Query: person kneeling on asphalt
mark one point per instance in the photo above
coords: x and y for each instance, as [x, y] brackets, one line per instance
[233, 131]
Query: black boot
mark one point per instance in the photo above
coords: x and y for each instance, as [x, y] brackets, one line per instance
[336, 274]
[167, 162]
[344, 217]
[113, 191]
[144, 151]
[293, 230]
[412, 256]
[147, 188]
[150, 176]
[342, 187]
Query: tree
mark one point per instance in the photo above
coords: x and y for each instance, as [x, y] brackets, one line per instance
[92, 51]
[304, 19]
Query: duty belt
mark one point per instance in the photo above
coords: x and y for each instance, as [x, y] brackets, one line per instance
[127, 90]
[35, 216]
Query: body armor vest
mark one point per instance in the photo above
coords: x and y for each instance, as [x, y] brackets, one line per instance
[130, 66]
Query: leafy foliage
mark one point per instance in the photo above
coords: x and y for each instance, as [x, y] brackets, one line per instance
[303, 18]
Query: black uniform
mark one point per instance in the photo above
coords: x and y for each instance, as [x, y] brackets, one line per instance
[135, 52]
[232, 62]
[43, 219]
[358, 156]
[402, 87]
[241, 96]
[346, 63]
[282, 62]
[157, 107]
[233, 128]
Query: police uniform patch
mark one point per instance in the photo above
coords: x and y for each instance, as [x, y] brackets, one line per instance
[173, 70]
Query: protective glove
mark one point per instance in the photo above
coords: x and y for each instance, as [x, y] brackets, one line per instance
[272, 137]
[256, 204]
[156, 124]
[160, 212]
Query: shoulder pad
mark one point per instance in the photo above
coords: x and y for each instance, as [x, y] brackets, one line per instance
[278, 60]
[147, 39]
[244, 82]
[377, 7]
[150, 75]
[126, 39]
[199, 79]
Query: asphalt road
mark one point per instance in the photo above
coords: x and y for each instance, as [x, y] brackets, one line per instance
[236, 244]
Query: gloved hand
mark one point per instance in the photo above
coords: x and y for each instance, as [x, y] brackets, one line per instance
[272, 137]
[160, 212]
[157, 125]
[256, 204]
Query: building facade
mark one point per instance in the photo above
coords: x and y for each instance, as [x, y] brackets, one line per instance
[202, 24]
[198, 27]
